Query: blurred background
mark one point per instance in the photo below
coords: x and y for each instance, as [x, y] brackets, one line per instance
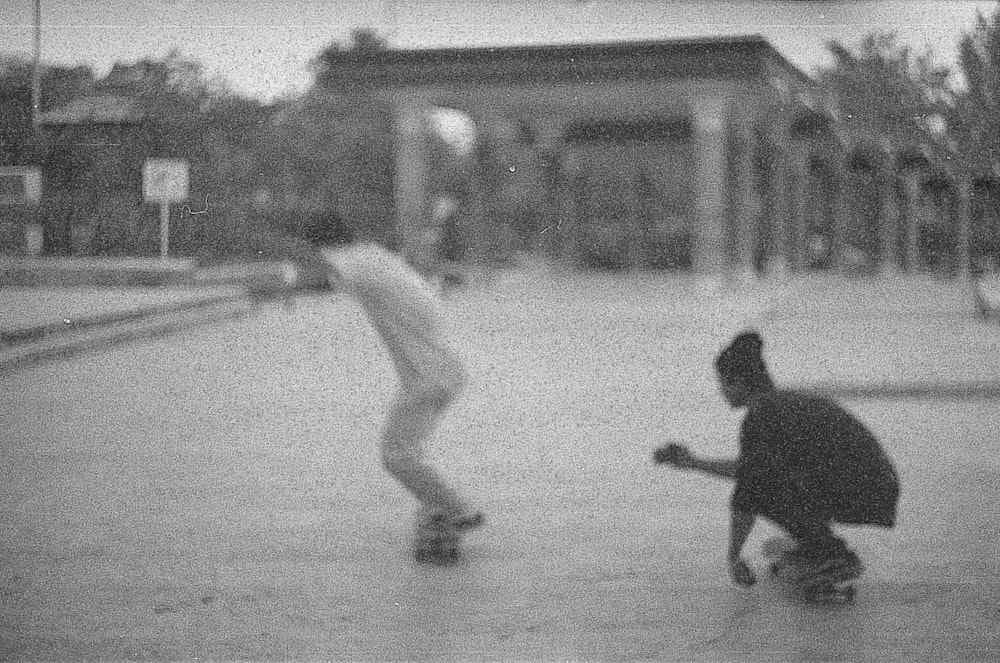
[650, 170]
[719, 137]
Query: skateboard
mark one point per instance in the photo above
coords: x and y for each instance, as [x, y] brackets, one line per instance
[833, 584]
[435, 543]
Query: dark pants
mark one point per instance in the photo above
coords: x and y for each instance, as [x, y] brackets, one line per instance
[815, 538]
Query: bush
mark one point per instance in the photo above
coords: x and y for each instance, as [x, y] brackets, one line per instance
[605, 246]
[14, 221]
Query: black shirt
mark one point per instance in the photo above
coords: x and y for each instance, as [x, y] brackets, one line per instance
[805, 458]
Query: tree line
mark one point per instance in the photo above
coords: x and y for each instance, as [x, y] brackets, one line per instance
[321, 162]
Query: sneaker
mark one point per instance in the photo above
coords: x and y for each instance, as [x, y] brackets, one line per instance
[460, 523]
[841, 568]
[468, 521]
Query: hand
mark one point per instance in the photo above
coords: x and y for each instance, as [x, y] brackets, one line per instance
[674, 454]
[740, 572]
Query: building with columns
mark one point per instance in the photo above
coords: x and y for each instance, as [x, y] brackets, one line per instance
[716, 155]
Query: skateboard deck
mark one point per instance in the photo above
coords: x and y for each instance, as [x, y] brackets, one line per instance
[834, 584]
[434, 543]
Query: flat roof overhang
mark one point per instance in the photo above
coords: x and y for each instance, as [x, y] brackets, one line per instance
[727, 58]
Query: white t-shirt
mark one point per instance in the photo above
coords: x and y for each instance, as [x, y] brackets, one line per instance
[405, 311]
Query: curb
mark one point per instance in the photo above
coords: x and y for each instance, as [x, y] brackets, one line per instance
[34, 345]
[42, 332]
[75, 271]
[258, 283]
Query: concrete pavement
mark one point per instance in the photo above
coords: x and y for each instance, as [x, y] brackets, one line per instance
[845, 336]
[55, 307]
[888, 337]
[217, 495]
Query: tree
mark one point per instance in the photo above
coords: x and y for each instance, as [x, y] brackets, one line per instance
[883, 90]
[976, 127]
[331, 152]
[15, 113]
[194, 118]
[976, 117]
[326, 66]
[58, 86]
[93, 171]
[885, 96]
[327, 154]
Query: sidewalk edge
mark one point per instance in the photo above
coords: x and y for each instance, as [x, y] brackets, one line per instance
[106, 331]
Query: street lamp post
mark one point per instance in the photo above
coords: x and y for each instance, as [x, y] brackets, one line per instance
[36, 75]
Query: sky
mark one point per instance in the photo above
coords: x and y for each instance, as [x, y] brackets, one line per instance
[262, 48]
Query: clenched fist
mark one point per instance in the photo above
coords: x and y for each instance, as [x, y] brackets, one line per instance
[673, 454]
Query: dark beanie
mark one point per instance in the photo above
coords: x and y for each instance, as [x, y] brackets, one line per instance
[743, 357]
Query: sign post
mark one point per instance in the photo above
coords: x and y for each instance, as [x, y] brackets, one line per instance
[22, 185]
[165, 181]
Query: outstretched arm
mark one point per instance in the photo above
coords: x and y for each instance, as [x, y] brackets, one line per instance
[741, 522]
[681, 457]
[720, 467]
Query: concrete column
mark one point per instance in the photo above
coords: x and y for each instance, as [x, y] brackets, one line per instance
[481, 238]
[889, 215]
[636, 238]
[746, 203]
[560, 235]
[565, 208]
[963, 219]
[709, 124]
[798, 216]
[549, 228]
[484, 240]
[911, 201]
[578, 202]
[778, 208]
[412, 172]
[841, 207]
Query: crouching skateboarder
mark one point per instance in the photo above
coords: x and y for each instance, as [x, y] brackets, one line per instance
[805, 464]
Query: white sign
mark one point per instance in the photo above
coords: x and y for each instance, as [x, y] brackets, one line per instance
[20, 184]
[165, 180]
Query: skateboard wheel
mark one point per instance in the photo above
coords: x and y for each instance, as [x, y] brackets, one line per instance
[831, 595]
[437, 555]
[439, 559]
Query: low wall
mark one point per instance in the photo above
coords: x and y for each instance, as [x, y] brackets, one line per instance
[127, 272]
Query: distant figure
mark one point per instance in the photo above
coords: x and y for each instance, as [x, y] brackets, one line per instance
[804, 463]
[407, 314]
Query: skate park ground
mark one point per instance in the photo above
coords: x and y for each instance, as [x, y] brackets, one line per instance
[216, 494]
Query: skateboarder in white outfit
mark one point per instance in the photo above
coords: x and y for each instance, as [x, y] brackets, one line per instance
[406, 311]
